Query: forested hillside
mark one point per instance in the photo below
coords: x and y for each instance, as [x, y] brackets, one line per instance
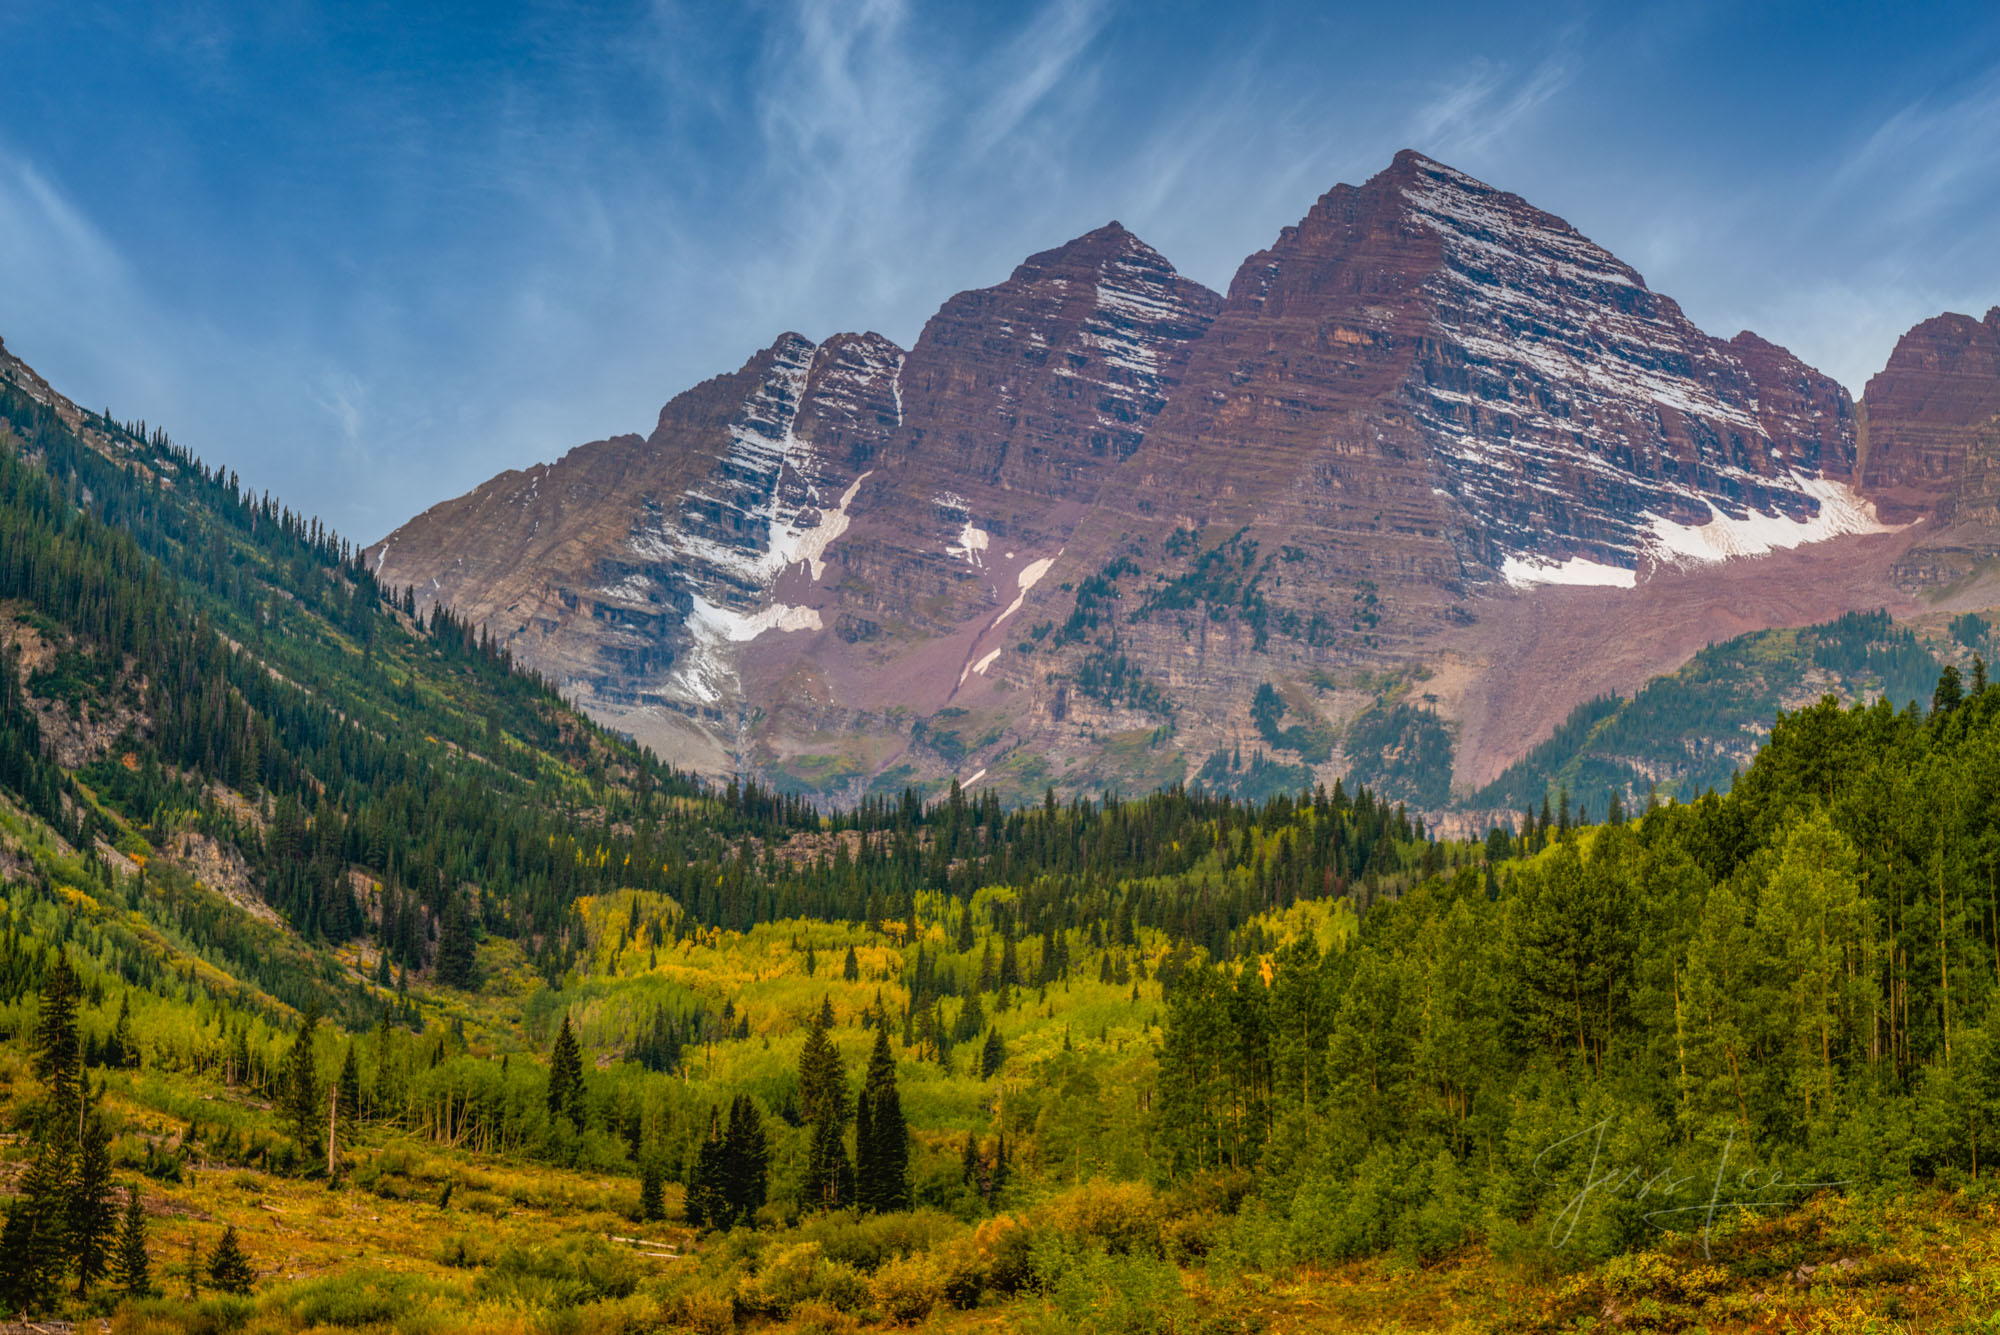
[349, 978]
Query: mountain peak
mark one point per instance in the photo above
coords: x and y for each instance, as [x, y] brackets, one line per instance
[1093, 252]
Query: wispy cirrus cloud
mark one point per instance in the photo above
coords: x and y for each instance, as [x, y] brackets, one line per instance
[373, 263]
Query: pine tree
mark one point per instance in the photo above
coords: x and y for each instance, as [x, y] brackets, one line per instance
[823, 1097]
[20, 1288]
[994, 1053]
[691, 1214]
[58, 1054]
[228, 1268]
[457, 957]
[350, 1089]
[882, 1139]
[33, 1244]
[119, 1050]
[850, 969]
[748, 1158]
[652, 1189]
[93, 1219]
[971, 1168]
[566, 1077]
[709, 1190]
[300, 1089]
[130, 1265]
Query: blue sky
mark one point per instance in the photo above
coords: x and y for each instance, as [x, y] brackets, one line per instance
[369, 254]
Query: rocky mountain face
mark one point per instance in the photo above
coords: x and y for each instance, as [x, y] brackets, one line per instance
[1931, 443]
[1102, 527]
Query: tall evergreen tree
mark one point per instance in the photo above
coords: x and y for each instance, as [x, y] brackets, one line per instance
[882, 1138]
[58, 1053]
[119, 1049]
[709, 1188]
[748, 1158]
[300, 1089]
[992, 1054]
[457, 957]
[229, 1269]
[349, 1085]
[131, 1266]
[652, 1189]
[823, 1099]
[566, 1077]
[92, 1218]
[34, 1243]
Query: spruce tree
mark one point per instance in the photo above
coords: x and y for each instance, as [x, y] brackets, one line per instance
[350, 1090]
[34, 1244]
[228, 1268]
[748, 1158]
[850, 969]
[120, 1051]
[20, 1288]
[823, 1097]
[566, 1077]
[691, 1214]
[92, 1218]
[58, 1054]
[300, 1089]
[882, 1137]
[971, 1170]
[652, 1189]
[130, 1265]
[710, 1186]
[995, 1052]
[457, 958]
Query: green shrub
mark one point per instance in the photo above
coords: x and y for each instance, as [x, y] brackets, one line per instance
[566, 1273]
[210, 1316]
[907, 1288]
[351, 1298]
[798, 1274]
[1120, 1217]
[1089, 1289]
[700, 1309]
[867, 1241]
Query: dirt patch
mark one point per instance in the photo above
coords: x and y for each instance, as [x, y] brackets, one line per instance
[222, 869]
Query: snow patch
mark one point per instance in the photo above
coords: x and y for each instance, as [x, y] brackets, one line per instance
[971, 544]
[810, 544]
[706, 671]
[979, 667]
[1031, 575]
[1526, 572]
[633, 588]
[1841, 511]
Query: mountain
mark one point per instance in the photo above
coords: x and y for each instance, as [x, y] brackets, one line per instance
[1436, 470]
[245, 788]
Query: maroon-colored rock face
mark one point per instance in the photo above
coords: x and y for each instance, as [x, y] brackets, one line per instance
[1098, 502]
[1926, 409]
